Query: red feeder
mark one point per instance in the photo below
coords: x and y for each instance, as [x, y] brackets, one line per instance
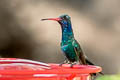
[22, 69]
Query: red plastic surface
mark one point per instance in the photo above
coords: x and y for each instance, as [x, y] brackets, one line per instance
[22, 69]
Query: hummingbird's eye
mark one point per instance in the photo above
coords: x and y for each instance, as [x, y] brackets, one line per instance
[64, 17]
[67, 17]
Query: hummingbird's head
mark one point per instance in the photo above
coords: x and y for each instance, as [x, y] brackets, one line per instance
[62, 20]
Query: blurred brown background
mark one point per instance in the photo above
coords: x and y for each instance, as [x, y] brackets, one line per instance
[96, 25]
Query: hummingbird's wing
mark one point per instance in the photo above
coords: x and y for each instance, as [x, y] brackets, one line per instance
[82, 57]
[79, 53]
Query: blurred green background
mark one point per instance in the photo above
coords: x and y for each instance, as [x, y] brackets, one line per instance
[96, 25]
[109, 77]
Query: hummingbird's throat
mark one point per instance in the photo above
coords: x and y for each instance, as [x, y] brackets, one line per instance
[67, 32]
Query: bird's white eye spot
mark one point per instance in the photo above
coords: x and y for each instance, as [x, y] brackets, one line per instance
[67, 17]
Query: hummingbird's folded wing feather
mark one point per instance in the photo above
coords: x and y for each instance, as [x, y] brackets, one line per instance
[79, 53]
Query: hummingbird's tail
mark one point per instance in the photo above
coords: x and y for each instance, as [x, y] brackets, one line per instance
[90, 63]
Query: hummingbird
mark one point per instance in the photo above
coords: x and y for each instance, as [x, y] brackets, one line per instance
[69, 45]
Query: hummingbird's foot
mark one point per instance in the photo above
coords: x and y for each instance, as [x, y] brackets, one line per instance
[72, 64]
[66, 61]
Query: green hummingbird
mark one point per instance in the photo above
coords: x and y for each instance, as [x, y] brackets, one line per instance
[69, 45]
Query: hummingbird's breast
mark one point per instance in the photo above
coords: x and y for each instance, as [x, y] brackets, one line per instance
[69, 51]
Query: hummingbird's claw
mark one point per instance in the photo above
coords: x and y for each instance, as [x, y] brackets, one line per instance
[72, 64]
[65, 61]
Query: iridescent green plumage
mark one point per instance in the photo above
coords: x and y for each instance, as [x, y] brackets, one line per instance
[69, 45]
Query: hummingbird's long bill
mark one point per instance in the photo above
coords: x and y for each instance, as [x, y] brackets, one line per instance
[54, 19]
